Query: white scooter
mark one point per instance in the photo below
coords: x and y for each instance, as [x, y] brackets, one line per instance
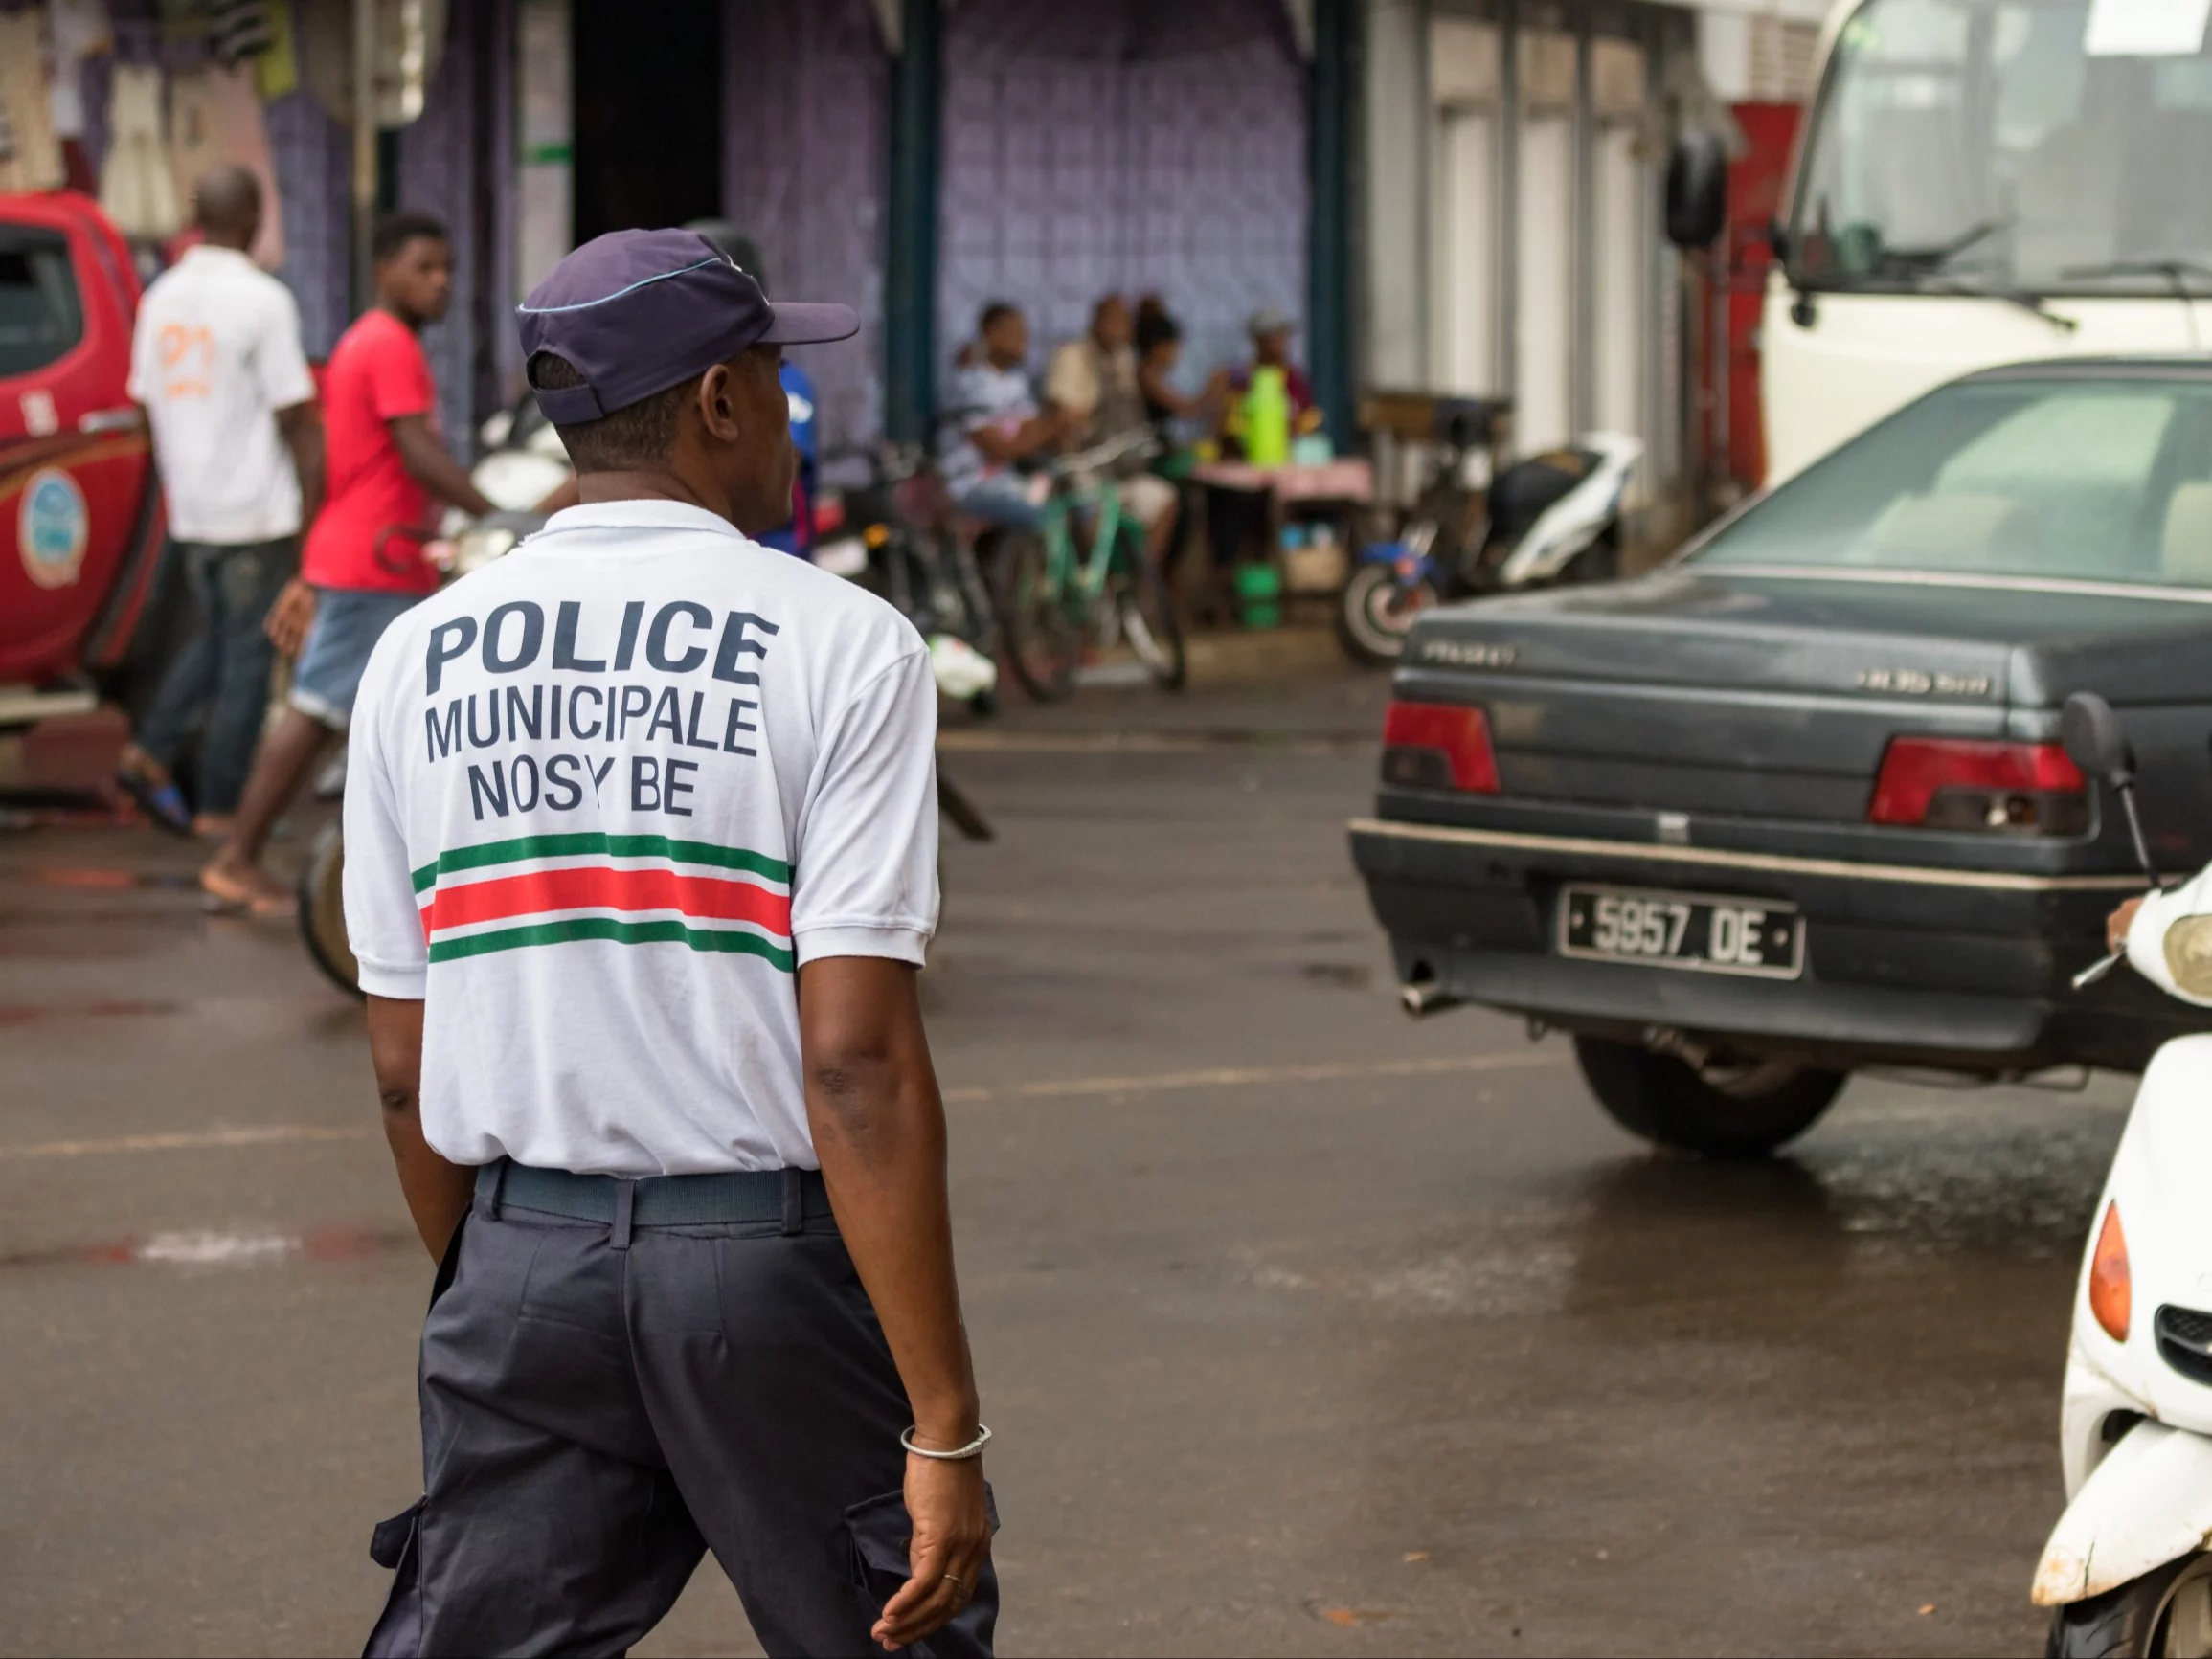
[2129, 1567]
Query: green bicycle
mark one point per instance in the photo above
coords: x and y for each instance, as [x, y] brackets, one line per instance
[1056, 604]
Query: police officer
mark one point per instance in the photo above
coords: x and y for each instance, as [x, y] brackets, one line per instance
[641, 846]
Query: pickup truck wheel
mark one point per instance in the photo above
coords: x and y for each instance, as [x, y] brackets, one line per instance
[1728, 1111]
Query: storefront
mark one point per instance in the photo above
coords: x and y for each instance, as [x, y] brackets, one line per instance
[1514, 153]
[1456, 194]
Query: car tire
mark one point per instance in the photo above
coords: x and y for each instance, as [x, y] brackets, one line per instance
[1719, 1110]
[2166, 1611]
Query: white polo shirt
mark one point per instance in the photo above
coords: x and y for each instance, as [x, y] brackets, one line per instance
[214, 354]
[606, 796]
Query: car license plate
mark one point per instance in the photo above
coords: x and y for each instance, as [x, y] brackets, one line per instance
[1695, 930]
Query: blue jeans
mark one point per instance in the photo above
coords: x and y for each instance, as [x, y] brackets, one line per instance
[222, 677]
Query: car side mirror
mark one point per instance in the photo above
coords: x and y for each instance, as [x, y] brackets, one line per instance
[2094, 741]
[1697, 191]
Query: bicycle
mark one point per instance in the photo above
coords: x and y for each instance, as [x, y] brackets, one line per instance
[891, 529]
[1056, 604]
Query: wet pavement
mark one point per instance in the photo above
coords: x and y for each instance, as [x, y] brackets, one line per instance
[1304, 1328]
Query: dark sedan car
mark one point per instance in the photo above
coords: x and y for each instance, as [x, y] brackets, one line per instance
[1794, 804]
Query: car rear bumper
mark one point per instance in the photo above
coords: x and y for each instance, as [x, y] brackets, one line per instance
[1905, 964]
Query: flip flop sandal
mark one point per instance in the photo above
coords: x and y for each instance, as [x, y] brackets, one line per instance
[164, 803]
[267, 907]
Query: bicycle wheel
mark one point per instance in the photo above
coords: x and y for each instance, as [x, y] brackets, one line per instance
[1043, 628]
[1146, 612]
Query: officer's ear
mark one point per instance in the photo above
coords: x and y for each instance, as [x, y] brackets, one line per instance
[720, 402]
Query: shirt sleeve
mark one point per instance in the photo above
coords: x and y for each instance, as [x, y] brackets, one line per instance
[144, 377]
[383, 922]
[2170, 942]
[1069, 381]
[867, 878]
[279, 363]
[398, 377]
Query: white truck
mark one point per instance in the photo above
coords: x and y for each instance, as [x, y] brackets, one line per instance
[1980, 182]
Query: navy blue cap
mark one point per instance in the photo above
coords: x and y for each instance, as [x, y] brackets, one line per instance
[640, 311]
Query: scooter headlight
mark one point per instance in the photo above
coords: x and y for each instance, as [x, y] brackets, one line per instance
[2111, 1291]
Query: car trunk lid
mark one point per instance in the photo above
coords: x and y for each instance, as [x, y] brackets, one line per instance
[1738, 695]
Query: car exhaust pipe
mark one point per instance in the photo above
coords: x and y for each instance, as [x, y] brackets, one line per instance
[1425, 996]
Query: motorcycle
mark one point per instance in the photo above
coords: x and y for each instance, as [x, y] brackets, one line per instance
[2128, 1570]
[1554, 518]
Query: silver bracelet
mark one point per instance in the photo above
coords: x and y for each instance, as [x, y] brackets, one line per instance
[974, 1447]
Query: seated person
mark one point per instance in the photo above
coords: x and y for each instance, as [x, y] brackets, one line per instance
[1271, 336]
[1237, 519]
[999, 422]
[1092, 387]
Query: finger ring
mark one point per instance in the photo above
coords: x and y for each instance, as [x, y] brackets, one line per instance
[961, 1582]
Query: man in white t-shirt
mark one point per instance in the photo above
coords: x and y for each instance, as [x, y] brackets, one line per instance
[640, 847]
[216, 365]
[997, 423]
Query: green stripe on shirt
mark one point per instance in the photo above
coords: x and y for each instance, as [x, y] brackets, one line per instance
[724, 940]
[562, 846]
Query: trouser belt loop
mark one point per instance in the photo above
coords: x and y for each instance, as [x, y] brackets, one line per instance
[625, 1200]
[488, 1181]
[794, 1200]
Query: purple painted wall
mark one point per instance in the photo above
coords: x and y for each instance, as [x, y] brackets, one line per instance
[1127, 146]
[804, 90]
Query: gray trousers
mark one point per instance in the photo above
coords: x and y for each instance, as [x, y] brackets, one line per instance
[598, 1412]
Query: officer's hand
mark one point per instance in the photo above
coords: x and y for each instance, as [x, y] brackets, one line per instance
[952, 1541]
[290, 618]
[2117, 924]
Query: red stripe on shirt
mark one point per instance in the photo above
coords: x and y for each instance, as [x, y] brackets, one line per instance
[597, 886]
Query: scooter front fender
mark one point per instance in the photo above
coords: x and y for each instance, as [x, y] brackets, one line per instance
[2147, 1503]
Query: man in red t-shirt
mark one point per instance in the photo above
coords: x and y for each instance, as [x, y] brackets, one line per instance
[363, 563]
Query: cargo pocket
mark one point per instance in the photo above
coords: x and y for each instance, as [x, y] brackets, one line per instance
[396, 1545]
[878, 1531]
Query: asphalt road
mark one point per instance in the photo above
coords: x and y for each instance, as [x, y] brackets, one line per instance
[1304, 1328]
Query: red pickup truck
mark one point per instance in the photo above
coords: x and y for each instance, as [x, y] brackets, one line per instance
[81, 514]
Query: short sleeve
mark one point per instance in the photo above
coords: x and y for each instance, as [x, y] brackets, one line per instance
[398, 378]
[139, 388]
[1069, 381]
[975, 399]
[280, 365]
[867, 878]
[383, 922]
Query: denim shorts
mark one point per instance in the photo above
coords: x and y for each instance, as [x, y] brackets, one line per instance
[348, 622]
[999, 498]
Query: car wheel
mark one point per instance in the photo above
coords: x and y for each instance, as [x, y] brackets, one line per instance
[1721, 1108]
[2166, 1611]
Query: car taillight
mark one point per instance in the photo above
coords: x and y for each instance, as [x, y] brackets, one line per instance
[2111, 1286]
[1439, 746]
[1954, 783]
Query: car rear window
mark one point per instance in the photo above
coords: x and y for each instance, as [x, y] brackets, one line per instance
[2105, 481]
[41, 316]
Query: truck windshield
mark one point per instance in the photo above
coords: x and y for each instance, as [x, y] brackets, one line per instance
[2021, 145]
[2099, 481]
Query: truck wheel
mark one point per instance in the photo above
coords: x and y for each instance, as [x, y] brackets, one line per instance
[2166, 1611]
[1722, 1110]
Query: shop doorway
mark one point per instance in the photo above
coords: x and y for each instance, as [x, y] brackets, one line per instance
[648, 114]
